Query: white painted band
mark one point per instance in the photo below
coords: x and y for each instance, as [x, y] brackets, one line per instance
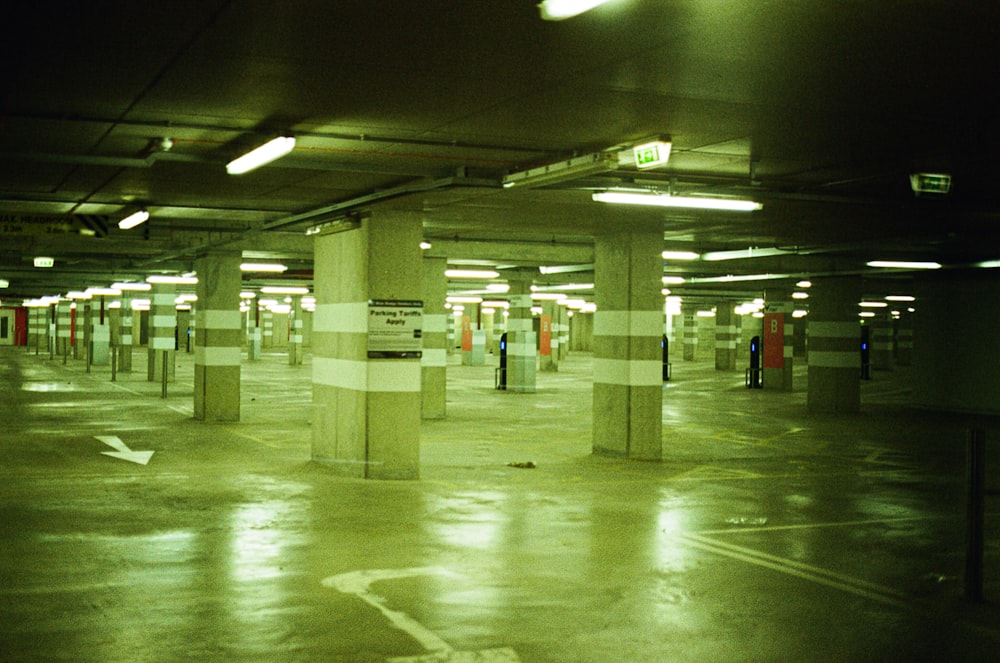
[519, 324]
[435, 323]
[298, 323]
[388, 375]
[349, 318]
[832, 359]
[789, 351]
[725, 329]
[126, 339]
[834, 330]
[63, 333]
[434, 358]
[162, 299]
[522, 349]
[219, 319]
[102, 333]
[165, 343]
[296, 338]
[165, 321]
[628, 323]
[520, 301]
[789, 330]
[255, 334]
[637, 373]
[224, 356]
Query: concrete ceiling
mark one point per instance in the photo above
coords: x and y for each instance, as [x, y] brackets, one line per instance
[819, 110]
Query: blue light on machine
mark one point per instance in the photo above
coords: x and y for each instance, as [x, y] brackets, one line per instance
[864, 346]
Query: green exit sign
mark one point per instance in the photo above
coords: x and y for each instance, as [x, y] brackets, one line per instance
[651, 155]
[930, 183]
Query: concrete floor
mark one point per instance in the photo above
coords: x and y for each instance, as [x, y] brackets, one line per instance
[767, 534]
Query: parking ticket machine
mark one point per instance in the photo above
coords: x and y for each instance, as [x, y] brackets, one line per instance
[753, 371]
[501, 381]
[866, 359]
[665, 345]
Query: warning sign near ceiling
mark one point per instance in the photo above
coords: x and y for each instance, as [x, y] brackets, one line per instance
[90, 225]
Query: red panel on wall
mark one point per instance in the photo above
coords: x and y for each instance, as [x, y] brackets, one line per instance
[774, 340]
[545, 337]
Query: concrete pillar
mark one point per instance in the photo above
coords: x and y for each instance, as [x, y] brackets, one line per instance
[548, 340]
[64, 321]
[689, 315]
[217, 344]
[267, 335]
[881, 340]
[295, 339]
[100, 332]
[125, 340]
[522, 342]
[628, 327]
[434, 357]
[453, 337]
[777, 337]
[37, 329]
[366, 407]
[51, 317]
[562, 315]
[725, 337]
[256, 338]
[904, 340]
[162, 332]
[834, 346]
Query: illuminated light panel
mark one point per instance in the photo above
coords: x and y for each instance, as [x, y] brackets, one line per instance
[471, 274]
[672, 280]
[266, 153]
[462, 299]
[652, 154]
[900, 298]
[872, 304]
[904, 264]
[284, 290]
[172, 280]
[274, 268]
[131, 287]
[680, 255]
[558, 10]
[688, 202]
[134, 219]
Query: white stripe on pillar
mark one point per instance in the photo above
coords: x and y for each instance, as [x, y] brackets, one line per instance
[636, 373]
[345, 318]
[389, 375]
[433, 358]
[216, 319]
[216, 356]
[628, 323]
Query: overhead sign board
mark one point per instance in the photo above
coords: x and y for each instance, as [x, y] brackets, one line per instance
[395, 329]
[651, 155]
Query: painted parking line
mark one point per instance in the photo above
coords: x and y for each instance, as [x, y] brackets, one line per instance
[439, 651]
[790, 567]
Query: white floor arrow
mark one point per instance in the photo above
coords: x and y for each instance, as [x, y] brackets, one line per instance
[122, 451]
[357, 582]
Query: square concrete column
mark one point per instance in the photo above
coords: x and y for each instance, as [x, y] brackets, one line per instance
[777, 341]
[64, 327]
[563, 327]
[255, 337]
[367, 404]
[434, 358]
[162, 332]
[689, 314]
[100, 332]
[217, 344]
[125, 338]
[834, 345]
[628, 360]
[881, 340]
[725, 337]
[295, 340]
[267, 340]
[522, 342]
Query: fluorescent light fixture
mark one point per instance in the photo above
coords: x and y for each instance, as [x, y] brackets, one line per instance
[495, 303]
[4, 283]
[866, 314]
[733, 278]
[273, 268]
[497, 287]
[164, 279]
[557, 10]
[904, 264]
[284, 290]
[131, 287]
[44, 261]
[744, 254]
[185, 299]
[462, 299]
[561, 171]
[800, 295]
[547, 296]
[104, 292]
[665, 200]
[266, 153]
[900, 298]
[804, 284]
[77, 294]
[247, 294]
[872, 304]
[705, 314]
[672, 280]
[652, 154]
[562, 287]
[799, 313]
[988, 264]
[471, 273]
[680, 255]
[134, 219]
[425, 245]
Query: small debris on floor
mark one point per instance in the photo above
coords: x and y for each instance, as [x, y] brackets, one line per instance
[524, 465]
